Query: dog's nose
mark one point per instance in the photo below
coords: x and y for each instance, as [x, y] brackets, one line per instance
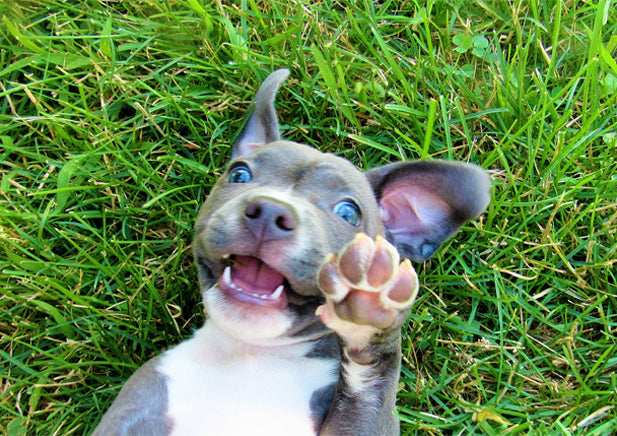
[268, 218]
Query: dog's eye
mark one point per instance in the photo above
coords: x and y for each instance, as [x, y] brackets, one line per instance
[348, 211]
[240, 174]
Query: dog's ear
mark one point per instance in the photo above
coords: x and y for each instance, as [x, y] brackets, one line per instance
[423, 203]
[262, 126]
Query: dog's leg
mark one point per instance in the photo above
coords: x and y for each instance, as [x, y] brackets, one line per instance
[140, 408]
[368, 296]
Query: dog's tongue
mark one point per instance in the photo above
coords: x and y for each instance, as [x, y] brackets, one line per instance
[255, 276]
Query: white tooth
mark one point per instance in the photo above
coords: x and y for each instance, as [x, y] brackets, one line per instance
[227, 276]
[264, 297]
[277, 293]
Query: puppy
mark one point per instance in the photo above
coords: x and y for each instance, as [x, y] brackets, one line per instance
[299, 256]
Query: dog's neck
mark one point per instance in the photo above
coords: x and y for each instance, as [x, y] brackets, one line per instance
[223, 346]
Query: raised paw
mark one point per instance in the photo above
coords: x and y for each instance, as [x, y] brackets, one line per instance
[366, 285]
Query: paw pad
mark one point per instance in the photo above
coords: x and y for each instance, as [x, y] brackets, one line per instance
[366, 284]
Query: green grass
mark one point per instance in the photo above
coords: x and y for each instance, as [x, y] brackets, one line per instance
[116, 118]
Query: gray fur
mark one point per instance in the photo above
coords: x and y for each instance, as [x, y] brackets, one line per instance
[141, 406]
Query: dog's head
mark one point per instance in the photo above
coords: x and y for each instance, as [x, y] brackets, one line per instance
[282, 207]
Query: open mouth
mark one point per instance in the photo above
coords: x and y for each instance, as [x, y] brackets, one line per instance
[250, 280]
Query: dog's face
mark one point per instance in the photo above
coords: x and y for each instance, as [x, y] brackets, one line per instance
[281, 208]
[271, 220]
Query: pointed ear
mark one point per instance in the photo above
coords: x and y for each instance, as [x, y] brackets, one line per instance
[423, 203]
[262, 126]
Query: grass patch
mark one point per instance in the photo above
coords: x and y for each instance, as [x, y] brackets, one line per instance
[116, 118]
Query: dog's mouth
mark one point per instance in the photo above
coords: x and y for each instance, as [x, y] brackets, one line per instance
[251, 280]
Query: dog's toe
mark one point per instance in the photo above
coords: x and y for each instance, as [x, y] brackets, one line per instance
[404, 289]
[356, 259]
[330, 280]
[384, 264]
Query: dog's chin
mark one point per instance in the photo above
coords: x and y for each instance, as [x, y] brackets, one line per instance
[244, 320]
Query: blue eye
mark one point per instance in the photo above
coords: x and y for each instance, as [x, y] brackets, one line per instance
[348, 211]
[240, 174]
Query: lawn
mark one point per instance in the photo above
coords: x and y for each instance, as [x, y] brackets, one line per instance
[116, 118]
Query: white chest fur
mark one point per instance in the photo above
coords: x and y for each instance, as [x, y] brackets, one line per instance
[219, 386]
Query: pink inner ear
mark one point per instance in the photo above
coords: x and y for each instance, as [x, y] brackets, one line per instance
[253, 137]
[246, 148]
[412, 209]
